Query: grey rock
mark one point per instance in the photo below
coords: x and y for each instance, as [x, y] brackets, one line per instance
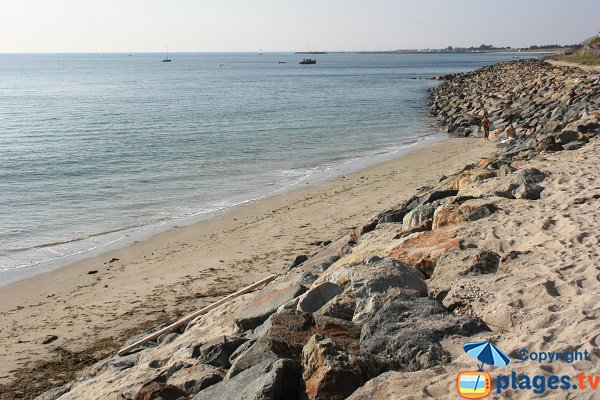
[378, 278]
[167, 338]
[528, 191]
[265, 303]
[317, 296]
[505, 170]
[297, 261]
[56, 393]
[268, 380]
[530, 175]
[418, 216]
[258, 352]
[574, 145]
[566, 136]
[341, 306]
[405, 333]
[217, 352]
[195, 378]
[393, 215]
[123, 363]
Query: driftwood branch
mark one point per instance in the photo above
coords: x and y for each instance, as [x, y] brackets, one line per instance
[190, 317]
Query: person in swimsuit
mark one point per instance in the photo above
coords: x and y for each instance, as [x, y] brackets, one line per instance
[485, 123]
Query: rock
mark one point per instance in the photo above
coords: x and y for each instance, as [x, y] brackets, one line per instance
[327, 256]
[566, 136]
[548, 144]
[491, 188]
[505, 170]
[528, 191]
[418, 216]
[361, 230]
[395, 385]
[467, 178]
[329, 372]
[56, 393]
[297, 261]
[574, 145]
[195, 378]
[457, 263]
[341, 306]
[317, 296]
[393, 215]
[530, 175]
[49, 339]
[159, 391]
[218, 351]
[384, 276]
[405, 333]
[265, 303]
[268, 380]
[470, 210]
[167, 338]
[122, 363]
[257, 353]
[289, 333]
[485, 162]
[422, 250]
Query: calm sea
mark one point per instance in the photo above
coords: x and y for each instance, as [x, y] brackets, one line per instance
[100, 150]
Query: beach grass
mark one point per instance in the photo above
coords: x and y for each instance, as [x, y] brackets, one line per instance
[585, 59]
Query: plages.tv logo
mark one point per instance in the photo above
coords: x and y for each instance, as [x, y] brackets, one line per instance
[478, 384]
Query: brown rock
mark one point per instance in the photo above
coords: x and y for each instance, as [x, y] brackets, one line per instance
[329, 372]
[159, 391]
[485, 162]
[361, 230]
[470, 210]
[422, 250]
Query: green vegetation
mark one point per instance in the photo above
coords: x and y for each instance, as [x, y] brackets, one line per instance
[580, 57]
[589, 54]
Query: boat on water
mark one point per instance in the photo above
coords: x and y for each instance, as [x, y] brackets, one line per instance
[167, 59]
[307, 61]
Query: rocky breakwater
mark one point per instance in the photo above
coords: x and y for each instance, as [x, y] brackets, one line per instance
[497, 251]
[552, 108]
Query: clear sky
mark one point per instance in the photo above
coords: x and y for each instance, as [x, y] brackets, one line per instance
[286, 25]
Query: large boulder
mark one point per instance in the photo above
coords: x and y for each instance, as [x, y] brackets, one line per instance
[528, 191]
[316, 297]
[265, 303]
[405, 333]
[195, 378]
[468, 211]
[418, 216]
[422, 249]
[268, 380]
[341, 306]
[456, 264]
[330, 373]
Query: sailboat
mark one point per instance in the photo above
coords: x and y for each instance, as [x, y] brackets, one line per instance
[167, 59]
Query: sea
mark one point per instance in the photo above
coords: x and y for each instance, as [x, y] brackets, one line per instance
[98, 150]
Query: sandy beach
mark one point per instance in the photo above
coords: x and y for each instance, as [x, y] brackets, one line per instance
[94, 303]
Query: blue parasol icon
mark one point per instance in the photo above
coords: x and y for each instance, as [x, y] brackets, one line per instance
[487, 353]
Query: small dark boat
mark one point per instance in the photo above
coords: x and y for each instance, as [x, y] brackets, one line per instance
[307, 61]
[167, 59]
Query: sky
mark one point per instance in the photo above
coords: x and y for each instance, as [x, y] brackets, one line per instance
[286, 25]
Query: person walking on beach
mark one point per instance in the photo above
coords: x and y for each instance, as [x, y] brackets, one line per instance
[485, 123]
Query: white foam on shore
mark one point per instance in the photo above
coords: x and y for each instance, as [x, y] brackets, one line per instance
[46, 258]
